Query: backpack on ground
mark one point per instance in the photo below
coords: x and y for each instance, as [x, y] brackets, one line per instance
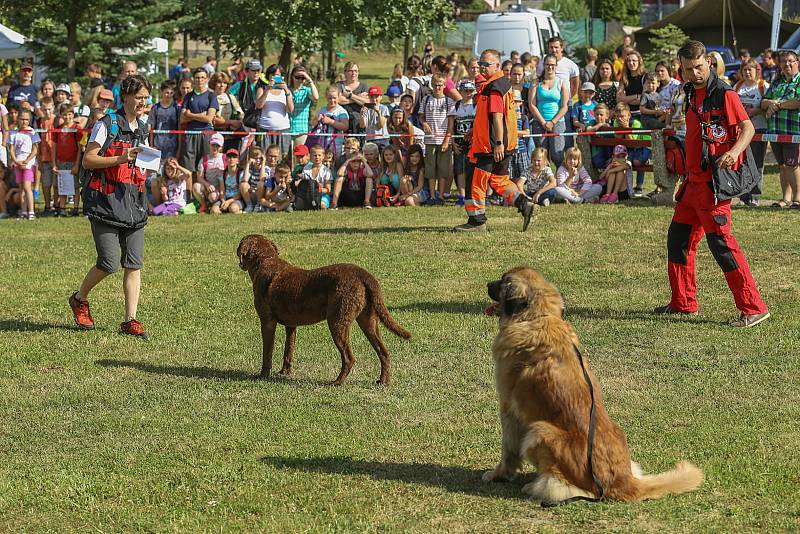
[307, 195]
[383, 196]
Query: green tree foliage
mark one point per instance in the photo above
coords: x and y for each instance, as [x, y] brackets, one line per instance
[627, 11]
[567, 9]
[70, 34]
[665, 43]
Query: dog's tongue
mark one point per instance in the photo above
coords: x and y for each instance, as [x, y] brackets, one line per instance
[491, 309]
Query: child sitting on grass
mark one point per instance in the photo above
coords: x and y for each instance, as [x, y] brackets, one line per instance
[353, 185]
[391, 176]
[541, 183]
[172, 186]
[412, 186]
[279, 197]
[573, 183]
[615, 175]
[230, 183]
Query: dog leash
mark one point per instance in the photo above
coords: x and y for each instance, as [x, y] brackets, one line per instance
[590, 440]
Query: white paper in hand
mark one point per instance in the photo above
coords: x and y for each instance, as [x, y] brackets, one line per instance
[148, 158]
[66, 183]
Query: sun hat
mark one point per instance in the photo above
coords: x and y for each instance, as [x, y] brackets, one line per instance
[216, 139]
[105, 94]
[620, 150]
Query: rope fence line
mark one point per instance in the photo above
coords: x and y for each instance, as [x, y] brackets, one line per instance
[772, 138]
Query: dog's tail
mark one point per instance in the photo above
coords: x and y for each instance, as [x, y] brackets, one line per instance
[684, 477]
[376, 300]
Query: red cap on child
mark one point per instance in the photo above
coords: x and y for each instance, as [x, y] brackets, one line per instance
[301, 150]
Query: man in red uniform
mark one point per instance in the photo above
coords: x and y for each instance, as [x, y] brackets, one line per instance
[494, 139]
[714, 116]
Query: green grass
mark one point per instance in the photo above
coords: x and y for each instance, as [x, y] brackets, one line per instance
[100, 432]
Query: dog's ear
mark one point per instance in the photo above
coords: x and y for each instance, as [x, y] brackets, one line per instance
[253, 248]
[515, 297]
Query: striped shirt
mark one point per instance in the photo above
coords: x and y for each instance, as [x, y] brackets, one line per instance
[434, 111]
[784, 121]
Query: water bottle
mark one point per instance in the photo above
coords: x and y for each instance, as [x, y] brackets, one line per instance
[35, 195]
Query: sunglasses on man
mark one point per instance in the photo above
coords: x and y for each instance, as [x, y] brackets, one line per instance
[485, 63]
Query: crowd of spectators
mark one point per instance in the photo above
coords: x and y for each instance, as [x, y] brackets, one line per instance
[399, 145]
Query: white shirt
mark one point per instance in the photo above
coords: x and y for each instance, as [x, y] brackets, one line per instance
[667, 93]
[751, 98]
[99, 133]
[323, 176]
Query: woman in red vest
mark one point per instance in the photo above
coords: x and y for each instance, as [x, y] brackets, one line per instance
[115, 201]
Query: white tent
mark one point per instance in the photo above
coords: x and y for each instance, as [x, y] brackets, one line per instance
[12, 44]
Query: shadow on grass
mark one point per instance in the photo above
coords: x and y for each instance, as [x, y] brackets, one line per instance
[208, 373]
[354, 230]
[443, 307]
[21, 325]
[174, 370]
[638, 315]
[450, 478]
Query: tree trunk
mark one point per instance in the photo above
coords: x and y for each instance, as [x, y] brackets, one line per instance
[262, 50]
[406, 49]
[331, 74]
[72, 46]
[285, 59]
[217, 48]
[185, 46]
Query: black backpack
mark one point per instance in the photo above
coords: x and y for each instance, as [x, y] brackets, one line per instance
[307, 195]
[424, 91]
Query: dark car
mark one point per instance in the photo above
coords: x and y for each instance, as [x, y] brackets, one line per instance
[732, 63]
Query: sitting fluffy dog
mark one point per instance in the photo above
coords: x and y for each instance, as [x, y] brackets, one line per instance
[340, 294]
[545, 405]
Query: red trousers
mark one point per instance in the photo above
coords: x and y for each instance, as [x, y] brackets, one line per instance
[696, 215]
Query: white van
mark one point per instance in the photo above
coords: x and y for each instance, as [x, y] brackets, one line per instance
[526, 30]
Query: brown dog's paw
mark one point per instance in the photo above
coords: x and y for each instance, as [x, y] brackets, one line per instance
[286, 371]
[261, 376]
[382, 381]
[497, 475]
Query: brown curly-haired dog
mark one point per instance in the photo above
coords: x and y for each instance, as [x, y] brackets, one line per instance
[545, 404]
[291, 296]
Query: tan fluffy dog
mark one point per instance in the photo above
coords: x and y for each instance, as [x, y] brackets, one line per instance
[291, 296]
[545, 404]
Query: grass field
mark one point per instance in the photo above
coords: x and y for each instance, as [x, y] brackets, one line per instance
[104, 433]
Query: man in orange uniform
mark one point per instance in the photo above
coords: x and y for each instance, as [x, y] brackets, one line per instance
[494, 139]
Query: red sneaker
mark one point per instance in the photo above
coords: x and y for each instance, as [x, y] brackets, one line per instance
[202, 208]
[134, 328]
[81, 313]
